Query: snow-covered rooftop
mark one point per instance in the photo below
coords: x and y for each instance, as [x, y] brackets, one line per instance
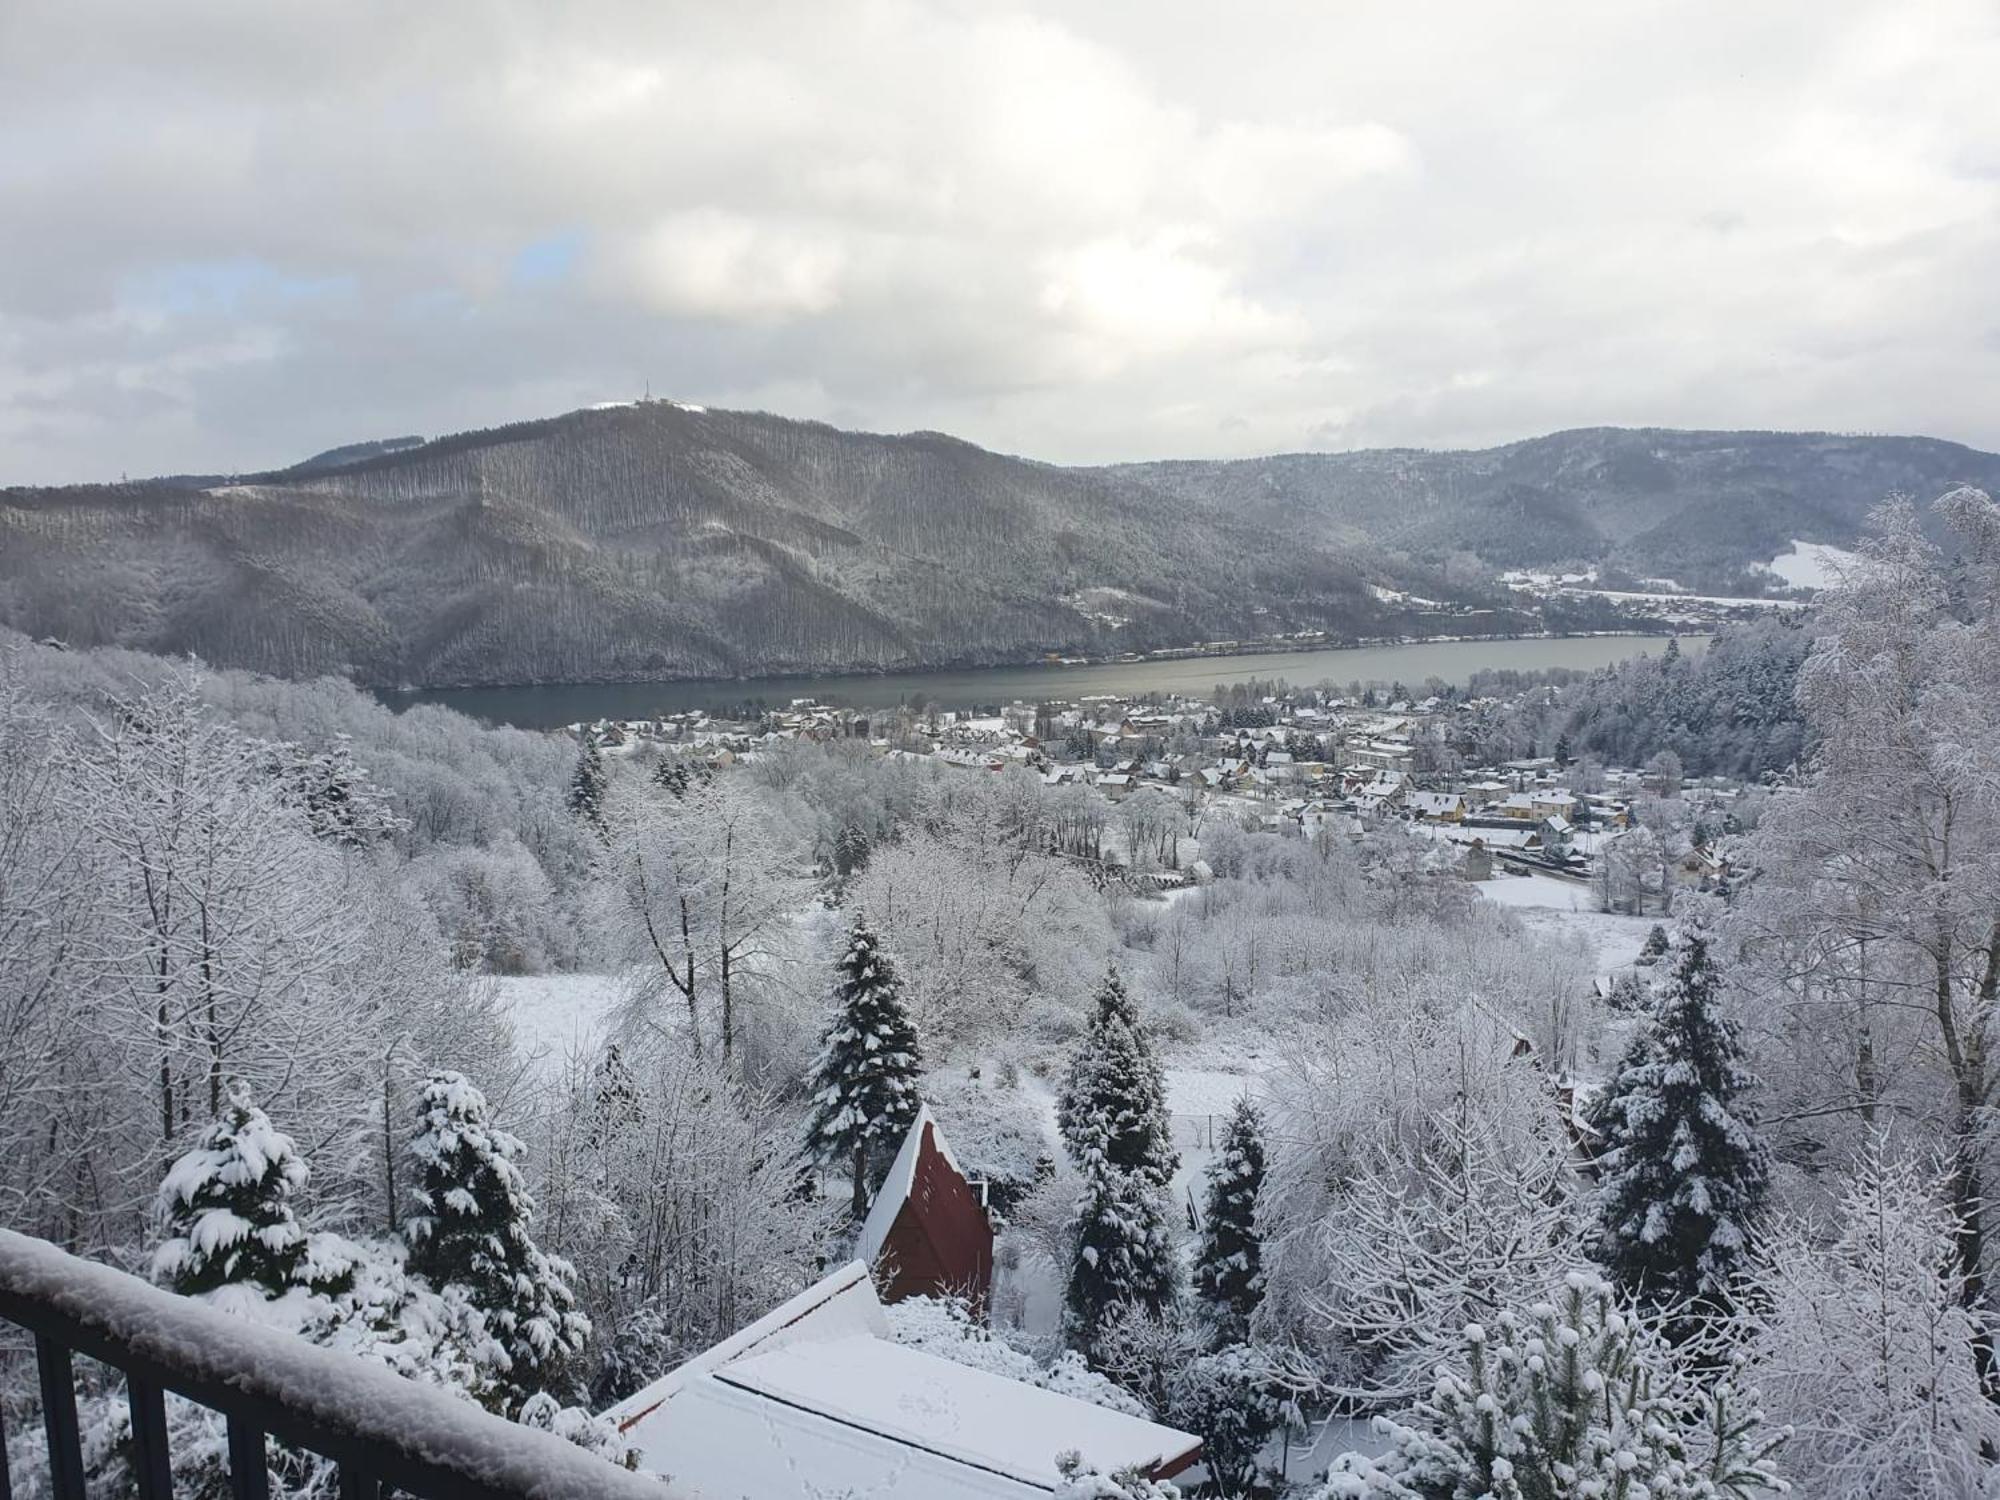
[816, 1398]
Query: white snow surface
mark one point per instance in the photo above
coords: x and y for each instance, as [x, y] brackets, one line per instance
[343, 1395]
[817, 1399]
[557, 1014]
[1812, 565]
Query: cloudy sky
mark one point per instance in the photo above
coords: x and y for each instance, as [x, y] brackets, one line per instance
[233, 232]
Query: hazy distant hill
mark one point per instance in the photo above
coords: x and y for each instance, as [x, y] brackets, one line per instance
[1701, 507]
[658, 540]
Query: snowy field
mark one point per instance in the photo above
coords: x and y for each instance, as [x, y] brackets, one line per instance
[1812, 565]
[1562, 909]
[557, 1014]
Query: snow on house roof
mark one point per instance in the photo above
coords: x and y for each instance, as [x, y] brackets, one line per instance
[816, 1398]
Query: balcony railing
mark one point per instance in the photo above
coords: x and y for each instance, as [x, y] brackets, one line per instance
[384, 1433]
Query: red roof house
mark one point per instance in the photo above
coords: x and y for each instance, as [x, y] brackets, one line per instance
[927, 1233]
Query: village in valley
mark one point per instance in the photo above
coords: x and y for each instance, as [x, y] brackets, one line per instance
[1144, 776]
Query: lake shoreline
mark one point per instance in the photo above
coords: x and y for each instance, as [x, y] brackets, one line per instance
[1451, 660]
[1207, 650]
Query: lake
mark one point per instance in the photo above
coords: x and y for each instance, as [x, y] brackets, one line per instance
[550, 705]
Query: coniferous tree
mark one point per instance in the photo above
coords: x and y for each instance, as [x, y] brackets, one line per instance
[1113, 1119]
[1570, 1397]
[228, 1203]
[1114, 1099]
[864, 1083]
[586, 785]
[1124, 1253]
[1229, 1270]
[470, 1229]
[1683, 1171]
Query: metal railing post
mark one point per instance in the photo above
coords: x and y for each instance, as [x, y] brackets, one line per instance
[59, 1418]
[249, 1464]
[152, 1467]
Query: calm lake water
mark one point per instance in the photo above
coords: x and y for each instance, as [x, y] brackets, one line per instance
[551, 705]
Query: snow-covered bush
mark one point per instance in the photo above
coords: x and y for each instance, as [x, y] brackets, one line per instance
[1576, 1397]
[1233, 1400]
[1081, 1482]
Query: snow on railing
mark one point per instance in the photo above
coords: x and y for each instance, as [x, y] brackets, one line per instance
[383, 1431]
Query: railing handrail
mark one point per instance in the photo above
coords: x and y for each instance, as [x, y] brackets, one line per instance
[419, 1439]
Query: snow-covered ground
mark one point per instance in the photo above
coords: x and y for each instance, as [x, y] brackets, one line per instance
[1562, 909]
[1812, 565]
[556, 1014]
[1538, 891]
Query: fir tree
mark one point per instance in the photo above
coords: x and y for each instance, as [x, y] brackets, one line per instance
[470, 1229]
[228, 1203]
[586, 785]
[864, 1083]
[1683, 1172]
[1229, 1270]
[1114, 1100]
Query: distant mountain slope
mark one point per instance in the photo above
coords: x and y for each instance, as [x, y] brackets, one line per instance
[1701, 507]
[657, 540]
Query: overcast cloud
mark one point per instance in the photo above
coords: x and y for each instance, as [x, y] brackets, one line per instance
[233, 232]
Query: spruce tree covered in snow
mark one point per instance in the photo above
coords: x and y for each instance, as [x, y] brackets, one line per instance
[1113, 1105]
[470, 1230]
[1573, 1397]
[228, 1203]
[1113, 1119]
[1683, 1171]
[586, 784]
[864, 1083]
[1229, 1271]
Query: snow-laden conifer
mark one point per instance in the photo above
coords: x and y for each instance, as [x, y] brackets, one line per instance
[1229, 1271]
[228, 1204]
[1113, 1105]
[1081, 1481]
[865, 1081]
[586, 784]
[1683, 1170]
[1571, 1397]
[1113, 1119]
[470, 1229]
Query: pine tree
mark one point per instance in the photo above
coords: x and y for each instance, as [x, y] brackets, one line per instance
[228, 1203]
[586, 785]
[864, 1083]
[1114, 1100]
[1683, 1172]
[471, 1230]
[1229, 1270]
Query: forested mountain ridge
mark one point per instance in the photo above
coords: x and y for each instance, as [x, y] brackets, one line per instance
[1703, 508]
[657, 540]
